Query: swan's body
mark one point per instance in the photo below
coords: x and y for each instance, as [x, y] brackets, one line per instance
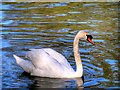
[47, 62]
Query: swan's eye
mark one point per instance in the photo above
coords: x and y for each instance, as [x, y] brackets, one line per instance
[89, 37]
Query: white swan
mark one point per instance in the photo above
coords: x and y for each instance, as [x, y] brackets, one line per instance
[46, 62]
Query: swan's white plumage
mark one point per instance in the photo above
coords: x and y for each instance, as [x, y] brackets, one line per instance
[46, 62]
[26, 65]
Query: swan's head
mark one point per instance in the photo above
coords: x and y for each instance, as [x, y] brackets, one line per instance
[85, 35]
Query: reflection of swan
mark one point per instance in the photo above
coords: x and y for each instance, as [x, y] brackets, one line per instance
[48, 63]
[40, 82]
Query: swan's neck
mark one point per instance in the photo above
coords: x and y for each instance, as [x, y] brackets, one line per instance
[79, 68]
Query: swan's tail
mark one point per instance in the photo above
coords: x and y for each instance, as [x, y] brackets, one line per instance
[25, 64]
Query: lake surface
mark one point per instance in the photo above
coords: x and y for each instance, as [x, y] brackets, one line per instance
[39, 25]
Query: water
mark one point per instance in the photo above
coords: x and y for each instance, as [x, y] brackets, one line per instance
[39, 25]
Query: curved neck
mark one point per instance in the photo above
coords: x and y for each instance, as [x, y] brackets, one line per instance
[79, 68]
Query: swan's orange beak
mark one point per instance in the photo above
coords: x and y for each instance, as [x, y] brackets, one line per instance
[89, 39]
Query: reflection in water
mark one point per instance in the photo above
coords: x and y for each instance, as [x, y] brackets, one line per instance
[54, 25]
[41, 82]
[56, 83]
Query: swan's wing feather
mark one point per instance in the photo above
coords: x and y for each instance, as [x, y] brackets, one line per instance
[26, 65]
[47, 65]
[40, 58]
[34, 54]
[44, 64]
[57, 56]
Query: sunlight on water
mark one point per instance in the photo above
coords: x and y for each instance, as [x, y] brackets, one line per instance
[39, 25]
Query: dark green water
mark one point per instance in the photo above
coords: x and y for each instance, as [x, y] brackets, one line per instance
[54, 25]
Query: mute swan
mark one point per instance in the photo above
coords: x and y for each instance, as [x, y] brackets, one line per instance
[46, 62]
